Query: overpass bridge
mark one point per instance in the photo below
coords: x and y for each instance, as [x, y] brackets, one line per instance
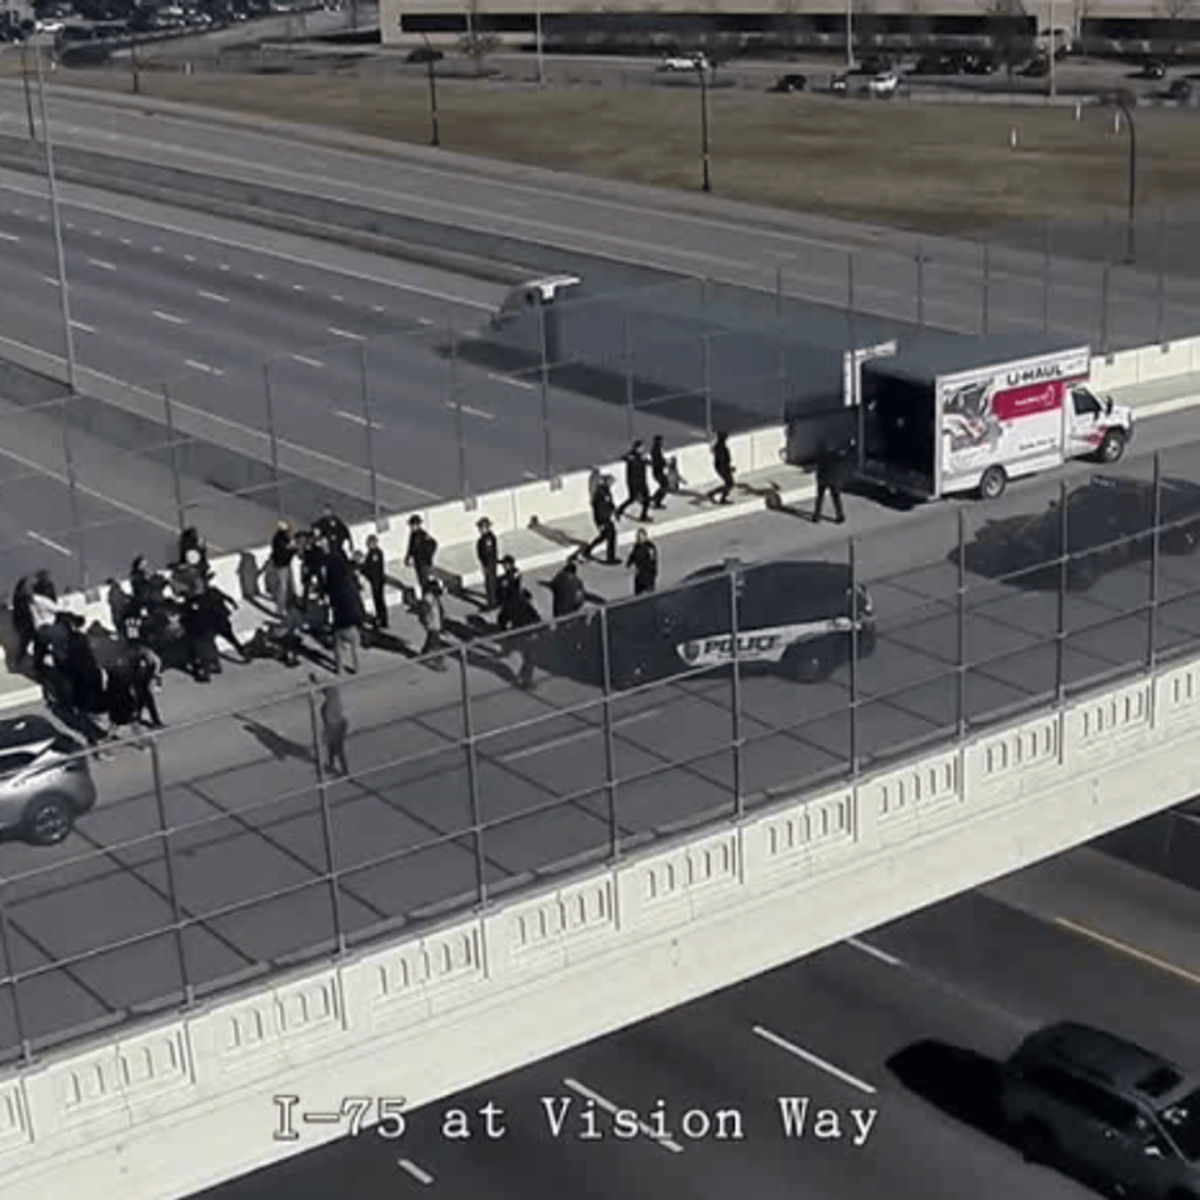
[510, 872]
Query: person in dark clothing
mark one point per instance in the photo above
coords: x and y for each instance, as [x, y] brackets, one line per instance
[374, 571]
[189, 576]
[22, 617]
[604, 515]
[345, 609]
[567, 591]
[146, 675]
[422, 548]
[661, 472]
[433, 618]
[643, 558]
[831, 469]
[190, 540]
[334, 726]
[487, 551]
[332, 529]
[85, 679]
[509, 587]
[200, 636]
[43, 585]
[526, 617]
[635, 482]
[218, 607]
[723, 466]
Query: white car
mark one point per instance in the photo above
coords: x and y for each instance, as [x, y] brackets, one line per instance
[684, 62]
[884, 84]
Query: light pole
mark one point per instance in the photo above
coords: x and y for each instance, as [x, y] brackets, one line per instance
[428, 55]
[1053, 54]
[541, 62]
[849, 35]
[701, 69]
[1131, 215]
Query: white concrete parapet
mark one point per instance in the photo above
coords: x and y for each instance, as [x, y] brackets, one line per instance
[1146, 364]
[176, 1105]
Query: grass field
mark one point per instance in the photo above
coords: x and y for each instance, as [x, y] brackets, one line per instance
[937, 168]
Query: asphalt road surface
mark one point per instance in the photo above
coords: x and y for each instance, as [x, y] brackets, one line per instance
[676, 232]
[898, 1033]
[240, 791]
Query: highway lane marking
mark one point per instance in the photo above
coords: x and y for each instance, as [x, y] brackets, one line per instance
[263, 251]
[568, 739]
[97, 233]
[260, 277]
[9, 237]
[222, 266]
[874, 952]
[813, 1060]
[45, 541]
[102, 264]
[156, 249]
[345, 333]
[50, 280]
[335, 296]
[349, 416]
[199, 366]
[214, 296]
[308, 362]
[377, 308]
[521, 383]
[69, 225]
[81, 325]
[189, 258]
[1143, 956]
[418, 1173]
[471, 412]
[171, 318]
[420, 320]
[612, 1109]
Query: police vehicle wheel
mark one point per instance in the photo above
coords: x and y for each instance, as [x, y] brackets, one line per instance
[1037, 1143]
[1112, 447]
[807, 664]
[993, 483]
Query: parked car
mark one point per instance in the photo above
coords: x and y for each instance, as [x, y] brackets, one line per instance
[1153, 68]
[45, 781]
[873, 64]
[884, 84]
[935, 64]
[1180, 89]
[684, 62]
[839, 84]
[1036, 68]
[1123, 1117]
[789, 83]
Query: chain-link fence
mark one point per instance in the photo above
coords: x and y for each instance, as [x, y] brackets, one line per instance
[228, 848]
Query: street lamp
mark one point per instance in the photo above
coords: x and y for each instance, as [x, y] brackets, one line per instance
[849, 35]
[701, 69]
[541, 62]
[1118, 102]
[428, 55]
[28, 96]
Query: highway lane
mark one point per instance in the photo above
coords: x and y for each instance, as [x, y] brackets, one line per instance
[242, 789]
[217, 320]
[904, 1024]
[676, 233]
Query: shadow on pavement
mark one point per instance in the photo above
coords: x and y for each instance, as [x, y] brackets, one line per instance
[276, 744]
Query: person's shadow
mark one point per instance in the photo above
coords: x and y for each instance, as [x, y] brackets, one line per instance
[276, 744]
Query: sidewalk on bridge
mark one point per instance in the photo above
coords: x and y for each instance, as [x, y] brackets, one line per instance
[1161, 396]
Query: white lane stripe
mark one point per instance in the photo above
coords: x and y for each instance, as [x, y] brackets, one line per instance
[308, 362]
[97, 233]
[222, 266]
[214, 296]
[377, 308]
[50, 280]
[81, 325]
[472, 412]
[521, 383]
[612, 1109]
[874, 952]
[102, 264]
[126, 241]
[169, 317]
[335, 296]
[199, 366]
[297, 287]
[189, 258]
[813, 1060]
[349, 416]
[418, 1173]
[9, 237]
[260, 276]
[579, 735]
[45, 541]
[345, 333]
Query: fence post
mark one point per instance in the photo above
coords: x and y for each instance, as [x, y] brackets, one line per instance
[610, 748]
[547, 455]
[272, 436]
[369, 426]
[962, 624]
[627, 355]
[1064, 560]
[1155, 561]
[1047, 266]
[987, 287]
[920, 283]
[10, 973]
[706, 345]
[850, 289]
[781, 352]
[464, 688]
[180, 507]
[335, 891]
[739, 800]
[460, 427]
[852, 561]
[189, 992]
[1160, 323]
[1104, 286]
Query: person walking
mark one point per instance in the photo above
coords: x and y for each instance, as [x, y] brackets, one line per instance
[279, 579]
[604, 516]
[723, 466]
[22, 618]
[508, 593]
[637, 489]
[661, 472]
[433, 618]
[643, 558]
[334, 727]
[422, 548]
[146, 676]
[831, 468]
[218, 608]
[190, 540]
[345, 610]
[332, 529]
[374, 571]
[527, 619]
[487, 551]
[200, 634]
[567, 591]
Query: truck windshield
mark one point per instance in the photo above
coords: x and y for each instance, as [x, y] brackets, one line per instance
[1183, 1122]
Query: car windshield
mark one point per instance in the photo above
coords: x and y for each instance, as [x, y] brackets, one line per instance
[1183, 1121]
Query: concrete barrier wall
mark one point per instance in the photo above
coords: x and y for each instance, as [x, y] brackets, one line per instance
[1146, 364]
[426, 1016]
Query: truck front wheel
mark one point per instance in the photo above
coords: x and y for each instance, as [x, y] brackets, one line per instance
[993, 483]
[1112, 447]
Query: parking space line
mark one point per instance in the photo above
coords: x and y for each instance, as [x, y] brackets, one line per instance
[612, 1109]
[813, 1060]
[345, 333]
[418, 1173]
[521, 383]
[349, 416]
[81, 326]
[214, 296]
[1143, 956]
[874, 952]
[471, 412]
[9, 237]
[169, 317]
[308, 362]
[45, 541]
[199, 366]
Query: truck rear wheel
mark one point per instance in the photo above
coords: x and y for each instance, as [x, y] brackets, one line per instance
[1112, 447]
[993, 483]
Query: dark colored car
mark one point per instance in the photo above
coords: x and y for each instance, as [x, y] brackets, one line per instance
[978, 64]
[1108, 521]
[793, 619]
[1037, 68]
[1119, 1116]
[789, 83]
[936, 64]
[1180, 89]
[840, 84]
[1152, 68]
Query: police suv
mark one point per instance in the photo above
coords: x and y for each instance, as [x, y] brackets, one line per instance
[796, 619]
